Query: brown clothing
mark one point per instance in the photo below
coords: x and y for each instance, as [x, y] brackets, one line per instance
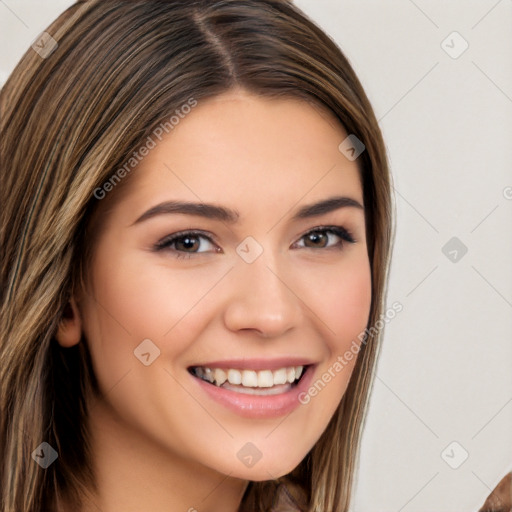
[500, 500]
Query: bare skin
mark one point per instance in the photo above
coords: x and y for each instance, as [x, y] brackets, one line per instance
[160, 442]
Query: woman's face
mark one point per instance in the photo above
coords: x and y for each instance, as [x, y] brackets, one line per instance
[249, 296]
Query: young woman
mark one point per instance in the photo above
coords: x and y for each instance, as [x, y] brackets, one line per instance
[195, 238]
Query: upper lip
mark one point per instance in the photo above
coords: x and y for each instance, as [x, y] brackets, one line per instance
[257, 364]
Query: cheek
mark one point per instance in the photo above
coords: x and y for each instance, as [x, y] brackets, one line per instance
[137, 300]
[132, 301]
[343, 303]
[351, 308]
[344, 308]
[123, 307]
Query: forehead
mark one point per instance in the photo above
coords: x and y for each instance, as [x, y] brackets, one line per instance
[259, 151]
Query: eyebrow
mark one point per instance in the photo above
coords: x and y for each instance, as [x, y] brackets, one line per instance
[230, 216]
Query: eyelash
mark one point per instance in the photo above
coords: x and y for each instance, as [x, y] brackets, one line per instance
[166, 242]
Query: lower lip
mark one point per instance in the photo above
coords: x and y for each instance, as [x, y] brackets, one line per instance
[258, 406]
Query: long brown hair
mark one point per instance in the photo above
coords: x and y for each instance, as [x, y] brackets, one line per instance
[70, 118]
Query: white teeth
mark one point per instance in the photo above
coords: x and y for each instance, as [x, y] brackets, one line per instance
[250, 378]
[265, 379]
[280, 376]
[220, 376]
[234, 377]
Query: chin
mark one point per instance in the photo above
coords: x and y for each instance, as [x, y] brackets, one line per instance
[262, 471]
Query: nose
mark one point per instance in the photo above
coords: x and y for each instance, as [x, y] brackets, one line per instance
[262, 300]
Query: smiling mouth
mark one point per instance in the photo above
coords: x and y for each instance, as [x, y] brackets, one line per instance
[251, 382]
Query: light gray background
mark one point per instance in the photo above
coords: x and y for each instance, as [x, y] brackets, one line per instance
[445, 372]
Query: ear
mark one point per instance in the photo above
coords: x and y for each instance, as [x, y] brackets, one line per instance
[69, 331]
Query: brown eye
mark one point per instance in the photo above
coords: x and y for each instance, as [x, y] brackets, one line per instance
[187, 243]
[316, 239]
[325, 238]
